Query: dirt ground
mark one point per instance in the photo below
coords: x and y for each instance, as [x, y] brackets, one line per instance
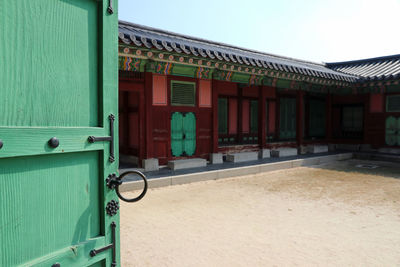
[328, 215]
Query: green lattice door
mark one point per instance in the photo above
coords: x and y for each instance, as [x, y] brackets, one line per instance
[58, 86]
[317, 118]
[287, 115]
[392, 137]
[183, 134]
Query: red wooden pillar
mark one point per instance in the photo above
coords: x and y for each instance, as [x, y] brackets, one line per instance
[299, 117]
[148, 94]
[240, 114]
[214, 90]
[329, 117]
[125, 120]
[262, 120]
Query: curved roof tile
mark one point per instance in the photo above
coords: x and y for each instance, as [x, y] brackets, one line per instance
[352, 71]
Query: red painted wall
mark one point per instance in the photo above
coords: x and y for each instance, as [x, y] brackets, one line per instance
[131, 119]
[145, 116]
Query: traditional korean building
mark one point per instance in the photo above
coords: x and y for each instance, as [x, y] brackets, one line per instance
[183, 97]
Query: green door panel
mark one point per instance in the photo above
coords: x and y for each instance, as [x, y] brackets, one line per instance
[177, 134]
[52, 200]
[49, 48]
[391, 131]
[58, 78]
[222, 115]
[189, 129]
[287, 118]
[398, 131]
[183, 134]
[317, 118]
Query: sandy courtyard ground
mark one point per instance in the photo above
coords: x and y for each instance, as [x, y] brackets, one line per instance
[329, 215]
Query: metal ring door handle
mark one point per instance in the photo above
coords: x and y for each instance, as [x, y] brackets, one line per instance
[114, 182]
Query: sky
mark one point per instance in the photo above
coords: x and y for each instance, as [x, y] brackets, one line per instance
[313, 30]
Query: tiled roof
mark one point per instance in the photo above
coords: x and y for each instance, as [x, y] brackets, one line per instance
[371, 69]
[139, 35]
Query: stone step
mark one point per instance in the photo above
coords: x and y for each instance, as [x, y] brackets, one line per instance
[265, 153]
[242, 157]
[317, 148]
[150, 164]
[186, 163]
[284, 152]
[216, 158]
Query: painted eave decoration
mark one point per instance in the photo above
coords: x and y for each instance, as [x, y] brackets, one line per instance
[143, 48]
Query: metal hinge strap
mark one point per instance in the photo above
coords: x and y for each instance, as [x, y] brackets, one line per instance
[110, 138]
[94, 252]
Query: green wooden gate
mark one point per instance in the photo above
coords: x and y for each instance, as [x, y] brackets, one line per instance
[392, 131]
[183, 134]
[58, 86]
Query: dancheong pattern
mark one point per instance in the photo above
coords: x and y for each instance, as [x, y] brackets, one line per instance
[202, 73]
[255, 80]
[164, 68]
[129, 64]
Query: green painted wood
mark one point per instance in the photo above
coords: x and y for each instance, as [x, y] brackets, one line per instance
[183, 93]
[398, 131]
[287, 118]
[71, 140]
[70, 255]
[222, 115]
[177, 134]
[317, 118]
[189, 131]
[392, 126]
[283, 83]
[51, 49]
[58, 77]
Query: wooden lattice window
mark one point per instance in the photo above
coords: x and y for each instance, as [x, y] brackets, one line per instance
[254, 116]
[222, 115]
[183, 93]
[287, 118]
[393, 103]
[352, 119]
[317, 111]
[227, 120]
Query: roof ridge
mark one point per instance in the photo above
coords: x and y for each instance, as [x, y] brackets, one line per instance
[192, 38]
[365, 60]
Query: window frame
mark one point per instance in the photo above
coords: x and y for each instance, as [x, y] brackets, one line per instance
[172, 93]
[352, 134]
[387, 103]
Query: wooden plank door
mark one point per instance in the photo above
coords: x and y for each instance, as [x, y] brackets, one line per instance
[177, 134]
[189, 133]
[58, 79]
